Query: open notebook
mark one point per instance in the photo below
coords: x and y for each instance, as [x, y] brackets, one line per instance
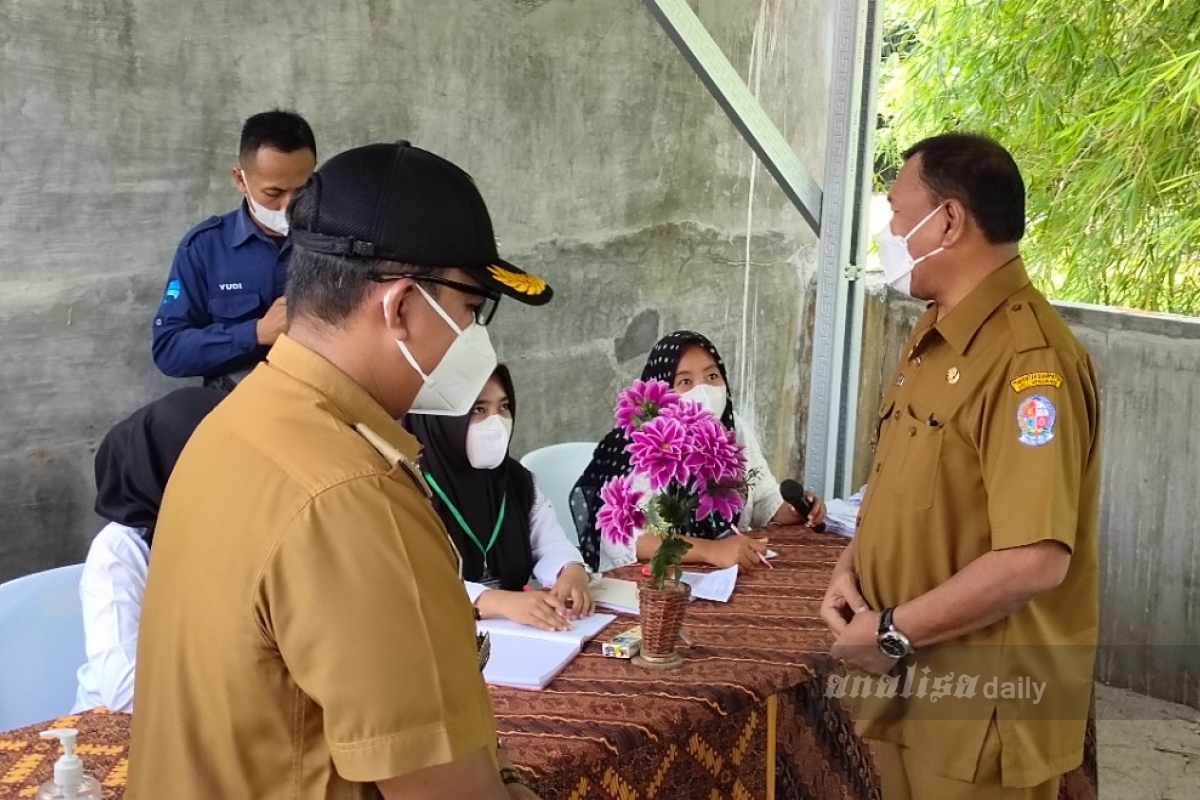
[525, 657]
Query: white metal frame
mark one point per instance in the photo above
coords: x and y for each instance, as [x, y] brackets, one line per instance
[837, 328]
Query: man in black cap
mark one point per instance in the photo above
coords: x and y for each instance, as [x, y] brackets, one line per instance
[305, 633]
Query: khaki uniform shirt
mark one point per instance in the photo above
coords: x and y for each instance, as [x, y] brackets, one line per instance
[305, 632]
[988, 439]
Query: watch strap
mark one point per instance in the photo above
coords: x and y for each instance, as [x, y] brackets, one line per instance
[510, 775]
[885, 620]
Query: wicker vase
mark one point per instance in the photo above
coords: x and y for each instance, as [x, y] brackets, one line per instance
[661, 613]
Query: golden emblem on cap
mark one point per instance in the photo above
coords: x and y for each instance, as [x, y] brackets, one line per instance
[522, 282]
[952, 375]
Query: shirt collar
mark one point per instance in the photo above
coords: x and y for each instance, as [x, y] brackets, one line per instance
[353, 404]
[963, 321]
[244, 228]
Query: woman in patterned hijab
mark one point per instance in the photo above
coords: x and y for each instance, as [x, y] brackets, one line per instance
[691, 364]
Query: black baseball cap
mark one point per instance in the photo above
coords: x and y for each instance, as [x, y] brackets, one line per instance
[400, 203]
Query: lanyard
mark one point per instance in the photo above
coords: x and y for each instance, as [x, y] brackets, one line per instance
[463, 523]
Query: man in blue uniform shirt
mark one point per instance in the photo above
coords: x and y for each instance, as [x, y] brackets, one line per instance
[224, 307]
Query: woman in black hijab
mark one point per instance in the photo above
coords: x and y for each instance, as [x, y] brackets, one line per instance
[504, 528]
[133, 464]
[690, 363]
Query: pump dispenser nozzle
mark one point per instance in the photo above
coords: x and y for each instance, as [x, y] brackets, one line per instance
[69, 781]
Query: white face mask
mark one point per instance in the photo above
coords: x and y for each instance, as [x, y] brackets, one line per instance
[898, 263]
[270, 219]
[711, 397]
[451, 389]
[487, 442]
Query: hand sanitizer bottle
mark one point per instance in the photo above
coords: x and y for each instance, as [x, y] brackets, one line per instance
[69, 781]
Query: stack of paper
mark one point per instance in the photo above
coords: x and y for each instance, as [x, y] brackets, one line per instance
[615, 595]
[716, 586]
[841, 516]
[525, 657]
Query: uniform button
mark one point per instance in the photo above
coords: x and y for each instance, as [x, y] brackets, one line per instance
[1016, 307]
[917, 361]
[877, 466]
[896, 415]
[912, 431]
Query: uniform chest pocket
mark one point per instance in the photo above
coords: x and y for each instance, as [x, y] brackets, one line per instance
[235, 306]
[914, 460]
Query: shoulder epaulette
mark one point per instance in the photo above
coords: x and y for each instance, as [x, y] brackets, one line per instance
[395, 457]
[207, 225]
[1026, 330]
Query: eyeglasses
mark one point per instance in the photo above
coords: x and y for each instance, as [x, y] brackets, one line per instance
[483, 312]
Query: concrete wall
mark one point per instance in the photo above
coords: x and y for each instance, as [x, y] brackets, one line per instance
[1149, 370]
[606, 164]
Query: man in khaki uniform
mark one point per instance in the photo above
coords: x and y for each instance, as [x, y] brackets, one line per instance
[305, 633]
[974, 562]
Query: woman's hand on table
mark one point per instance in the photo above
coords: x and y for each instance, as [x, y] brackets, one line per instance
[740, 550]
[539, 609]
[572, 586]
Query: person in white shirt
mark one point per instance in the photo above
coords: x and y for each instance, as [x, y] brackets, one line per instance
[132, 466]
[502, 525]
[690, 363]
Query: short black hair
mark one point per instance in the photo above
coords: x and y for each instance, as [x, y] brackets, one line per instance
[977, 171]
[278, 129]
[328, 287]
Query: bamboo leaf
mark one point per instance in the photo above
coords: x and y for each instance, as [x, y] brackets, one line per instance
[1100, 104]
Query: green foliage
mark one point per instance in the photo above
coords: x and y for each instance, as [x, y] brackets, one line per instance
[1099, 102]
[666, 516]
[668, 560]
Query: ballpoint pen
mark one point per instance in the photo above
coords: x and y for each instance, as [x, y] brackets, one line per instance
[761, 557]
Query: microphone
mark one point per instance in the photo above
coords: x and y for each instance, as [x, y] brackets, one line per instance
[793, 493]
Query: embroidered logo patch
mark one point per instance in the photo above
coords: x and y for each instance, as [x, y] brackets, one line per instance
[172, 292]
[1035, 420]
[1032, 379]
[523, 282]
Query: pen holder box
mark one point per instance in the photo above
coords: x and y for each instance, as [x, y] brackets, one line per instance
[626, 644]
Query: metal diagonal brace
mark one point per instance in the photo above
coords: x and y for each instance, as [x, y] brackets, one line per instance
[747, 114]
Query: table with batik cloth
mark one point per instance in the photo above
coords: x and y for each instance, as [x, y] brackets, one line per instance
[747, 716]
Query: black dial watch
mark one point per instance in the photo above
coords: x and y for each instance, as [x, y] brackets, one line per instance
[892, 643]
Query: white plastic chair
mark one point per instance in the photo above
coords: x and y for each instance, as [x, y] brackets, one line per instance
[41, 646]
[556, 468]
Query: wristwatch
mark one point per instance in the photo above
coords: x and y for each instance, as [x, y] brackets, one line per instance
[892, 643]
[510, 775]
